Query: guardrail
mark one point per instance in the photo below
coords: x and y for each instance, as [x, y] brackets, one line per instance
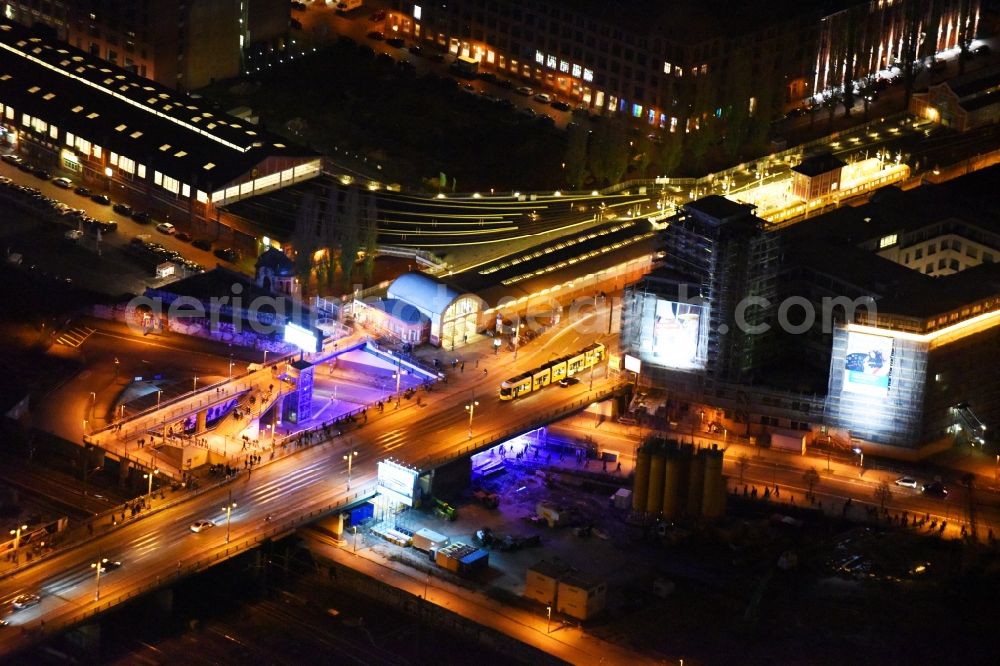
[222, 553]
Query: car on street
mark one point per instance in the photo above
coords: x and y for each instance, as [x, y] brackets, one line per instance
[560, 106]
[907, 482]
[527, 112]
[73, 235]
[23, 601]
[82, 191]
[202, 244]
[935, 489]
[568, 381]
[25, 166]
[546, 119]
[201, 525]
[395, 42]
[122, 209]
[166, 228]
[107, 226]
[376, 35]
[226, 254]
[141, 216]
[42, 174]
[108, 566]
[544, 98]
[62, 182]
[10, 159]
[982, 49]
[100, 199]
[183, 236]
[524, 90]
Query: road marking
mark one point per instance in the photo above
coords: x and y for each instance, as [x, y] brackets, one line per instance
[75, 336]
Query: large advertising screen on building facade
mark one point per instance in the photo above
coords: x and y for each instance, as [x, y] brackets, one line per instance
[675, 335]
[398, 482]
[868, 364]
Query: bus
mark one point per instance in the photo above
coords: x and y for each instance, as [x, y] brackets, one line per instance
[552, 372]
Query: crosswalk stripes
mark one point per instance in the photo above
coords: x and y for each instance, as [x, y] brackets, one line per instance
[75, 336]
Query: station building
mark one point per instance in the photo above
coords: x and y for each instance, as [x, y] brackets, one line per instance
[120, 132]
[880, 330]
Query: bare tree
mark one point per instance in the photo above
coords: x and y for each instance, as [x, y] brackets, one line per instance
[883, 493]
[811, 478]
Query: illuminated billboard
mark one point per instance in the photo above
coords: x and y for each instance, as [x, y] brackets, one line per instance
[867, 364]
[305, 339]
[397, 482]
[675, 336]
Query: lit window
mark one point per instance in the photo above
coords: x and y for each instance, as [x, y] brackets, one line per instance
[667, 67]
[165, 147]
[417, 12]
[539, 57]
[209, 166]
[564, 67]
[120, 128]
[704, 69]
[636, 110]
[588, 74]
[886, 241]
[135, 135]
[551, 62]
[679, 72]
[577, 71]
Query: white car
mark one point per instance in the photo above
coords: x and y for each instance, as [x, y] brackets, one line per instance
[907, 482]
[524, 90]
[166, 228]
[543, 97]
[64, 183]
[73, 235]
[23, 601]
[201, 525]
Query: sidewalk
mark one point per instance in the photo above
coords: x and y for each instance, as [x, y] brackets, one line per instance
[565, 642]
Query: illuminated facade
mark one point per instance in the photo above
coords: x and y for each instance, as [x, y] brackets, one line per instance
[651, 61]
[118, 131]
[453, 316]
[183, 45]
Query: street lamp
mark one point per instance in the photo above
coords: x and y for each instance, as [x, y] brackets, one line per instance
[517, 337]
[93, 403]
[399, 374]
[195, 387]
[99, 567]
[149, 490]
[231, 363]
[861, 465]
[229, 514]
[349, 458]
[159, 392]
[471, 408]
[16, 533]
[548, 625]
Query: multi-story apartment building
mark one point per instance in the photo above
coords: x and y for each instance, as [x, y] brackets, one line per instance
[184, 44]
[672, 63]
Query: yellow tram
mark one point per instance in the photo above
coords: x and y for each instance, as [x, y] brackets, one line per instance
[552, 372]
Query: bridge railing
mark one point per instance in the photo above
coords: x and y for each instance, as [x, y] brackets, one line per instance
[432, 462]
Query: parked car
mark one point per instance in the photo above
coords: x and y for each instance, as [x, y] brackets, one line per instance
[415, 49]
[73, 235]
[166, 228]
[64, 183]
[107, 226]
[183, 235]
[42, 174]
[560, 106]
[226, 254]
[25, 166]
[376, 35]
[23, 601]
[82, 191]
[122, 209]
[544, 98]
[101, 199]
[141, 217]
[395, 42]
[524, 90]
[10, 158]
[202, 244]
[907, 482]
[201, 525]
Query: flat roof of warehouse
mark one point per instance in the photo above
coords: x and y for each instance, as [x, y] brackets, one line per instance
[120, 111]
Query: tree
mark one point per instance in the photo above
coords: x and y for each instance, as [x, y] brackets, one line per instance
[738, 118]
[349, 231]
[914, 12]
[304, 241]
[742, 462]
[618, 153]
[371, 237]
[868, 92]
[830, 103]
[883, 493]
[667, 156]
[810, 477]
[642, 149]
[575, 157]
[331, 238]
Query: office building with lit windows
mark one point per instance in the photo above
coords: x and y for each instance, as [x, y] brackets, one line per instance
[882, 326]
[669, 64]
[117, 131]
[183, 45]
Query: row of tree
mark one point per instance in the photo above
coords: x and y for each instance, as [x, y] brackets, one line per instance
[332, 229]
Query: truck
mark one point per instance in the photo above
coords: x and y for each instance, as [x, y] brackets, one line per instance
[466, 67]
[348, 5]
[429, 540]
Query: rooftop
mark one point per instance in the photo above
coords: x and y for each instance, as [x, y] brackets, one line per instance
[120, 111]
[819, 164]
